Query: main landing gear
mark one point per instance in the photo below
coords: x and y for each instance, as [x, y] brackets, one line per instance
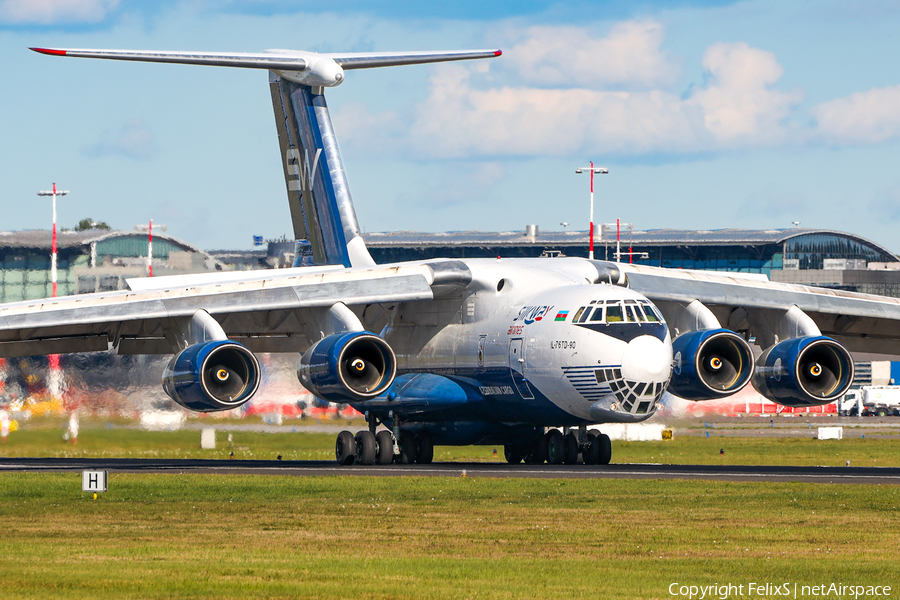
[369, 448]
[592, 447]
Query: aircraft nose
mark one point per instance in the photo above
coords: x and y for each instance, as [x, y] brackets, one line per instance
[647, 359]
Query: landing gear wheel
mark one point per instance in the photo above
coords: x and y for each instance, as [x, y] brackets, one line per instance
[345, 448]
[571, 443]
[592, 454]
[514, 453]
[605, 449]
[365, 447]
[407, 449]
[537, 454]
[556, 448]
[385, 442]
[424, 448]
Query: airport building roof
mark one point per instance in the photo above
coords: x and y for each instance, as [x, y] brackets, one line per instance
[652, 237]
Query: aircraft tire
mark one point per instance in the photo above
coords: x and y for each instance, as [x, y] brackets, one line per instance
[424, 448]
[514, 453]
[605, 449]
[537, 453]
[385, 442]
[345, 448]
[570, 440]
[407, 454]
[592, 454]
[556, 448]
[366, 447]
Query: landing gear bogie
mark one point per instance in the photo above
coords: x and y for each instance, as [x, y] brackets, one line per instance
[385, 441]
[345, 448]
[366, 447]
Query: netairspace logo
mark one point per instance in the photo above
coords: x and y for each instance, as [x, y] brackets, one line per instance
[771, 590]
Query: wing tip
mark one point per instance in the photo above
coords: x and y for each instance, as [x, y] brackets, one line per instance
[49, 51]
[496, 52]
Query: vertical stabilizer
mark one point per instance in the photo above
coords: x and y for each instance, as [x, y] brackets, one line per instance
[319, 197]
[318, 193]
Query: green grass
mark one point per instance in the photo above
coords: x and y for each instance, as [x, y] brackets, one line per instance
[43, 437]
[215, 536]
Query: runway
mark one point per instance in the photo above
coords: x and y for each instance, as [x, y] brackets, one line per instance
[872, 475]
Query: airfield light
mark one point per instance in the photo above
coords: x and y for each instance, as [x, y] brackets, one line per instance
[54, 193]
[600, 171]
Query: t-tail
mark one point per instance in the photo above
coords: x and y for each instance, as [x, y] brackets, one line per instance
[318, 192]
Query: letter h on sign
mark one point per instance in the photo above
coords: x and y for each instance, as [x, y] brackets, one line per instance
[93, 481]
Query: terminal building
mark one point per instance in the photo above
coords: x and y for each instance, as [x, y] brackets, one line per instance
[97, 260]
[824, 258]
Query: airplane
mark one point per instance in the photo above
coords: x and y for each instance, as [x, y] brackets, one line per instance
[529, 353]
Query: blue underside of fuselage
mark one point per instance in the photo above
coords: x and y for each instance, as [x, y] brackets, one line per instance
[462, 405]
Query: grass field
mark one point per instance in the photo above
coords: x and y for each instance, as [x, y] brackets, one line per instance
[44, 438]
[214, 536]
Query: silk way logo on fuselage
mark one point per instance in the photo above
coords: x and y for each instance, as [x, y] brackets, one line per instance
[530, 314]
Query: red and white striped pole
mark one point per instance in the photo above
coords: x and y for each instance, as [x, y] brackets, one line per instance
[592, 169]
[54, 194]
[150, 250]
[55, 379]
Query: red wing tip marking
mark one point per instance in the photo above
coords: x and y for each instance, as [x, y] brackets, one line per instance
[496, 52]
[49, 51]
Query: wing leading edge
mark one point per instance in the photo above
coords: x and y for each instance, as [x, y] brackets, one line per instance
[268, 314]
[862, 322]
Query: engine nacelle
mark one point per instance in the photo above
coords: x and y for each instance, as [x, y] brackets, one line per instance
[212, 376]
[346, 367]
[804, 371]
[709, 364]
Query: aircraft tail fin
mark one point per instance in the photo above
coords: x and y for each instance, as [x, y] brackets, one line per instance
[318, 193]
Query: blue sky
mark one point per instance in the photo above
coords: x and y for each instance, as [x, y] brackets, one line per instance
[708, 114]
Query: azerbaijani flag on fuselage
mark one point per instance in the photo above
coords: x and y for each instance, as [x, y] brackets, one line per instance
[561, 315]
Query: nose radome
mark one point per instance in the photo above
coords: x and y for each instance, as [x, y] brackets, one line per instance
[647, 359]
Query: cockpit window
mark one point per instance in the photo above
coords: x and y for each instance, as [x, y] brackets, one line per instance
[598, 314]
[614, 314]
[578, 313]
[652, 313]
[635, 313]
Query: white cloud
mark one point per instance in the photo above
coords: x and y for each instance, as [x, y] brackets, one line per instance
[629, 56]
[739, 103]
[862, 118]
[737, 107]
[134, 140]
[466, 114]
[46, 12]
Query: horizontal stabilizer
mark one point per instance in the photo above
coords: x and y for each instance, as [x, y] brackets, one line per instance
[310, 68]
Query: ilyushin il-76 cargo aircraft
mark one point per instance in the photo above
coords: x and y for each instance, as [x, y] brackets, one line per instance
[532, 354]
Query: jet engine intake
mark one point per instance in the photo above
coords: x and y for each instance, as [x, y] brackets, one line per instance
[709, 364]
[347, 367]
[212, 376]
[804, 371]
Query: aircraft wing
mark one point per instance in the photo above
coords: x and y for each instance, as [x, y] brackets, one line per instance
[862, 322]
[266, 311]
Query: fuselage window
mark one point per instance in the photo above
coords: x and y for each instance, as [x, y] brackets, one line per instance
[614, 314]
[598, 314]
